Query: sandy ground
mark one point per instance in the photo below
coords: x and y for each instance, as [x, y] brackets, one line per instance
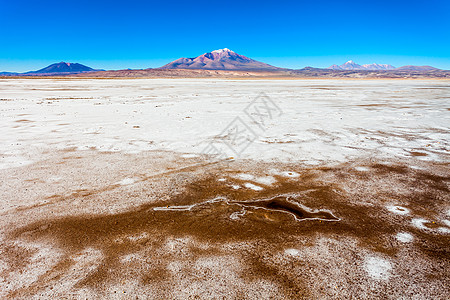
[105, 190]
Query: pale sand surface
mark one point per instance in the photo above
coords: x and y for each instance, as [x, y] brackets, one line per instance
[103, 192]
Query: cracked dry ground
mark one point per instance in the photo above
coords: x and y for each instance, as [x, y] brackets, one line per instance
[84, 224]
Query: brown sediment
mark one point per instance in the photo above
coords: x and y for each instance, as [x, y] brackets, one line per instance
[432, 225]
[385, 168]
[417, 153]
[16, 256]
[211, 224]
[268, 224]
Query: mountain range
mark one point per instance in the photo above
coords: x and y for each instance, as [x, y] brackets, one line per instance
[228, 60]
[351, 65]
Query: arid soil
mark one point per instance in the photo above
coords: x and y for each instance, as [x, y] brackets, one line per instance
[370, 229]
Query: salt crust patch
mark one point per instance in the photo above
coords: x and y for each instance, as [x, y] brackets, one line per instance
[444, 230]
[419, 223]
[265, 180]
[362, 169]
[253, 187]
[416, 167]
[377, 267]
[54, 179]
[292, 252]
[127, 181]
[131, 257]
[142, 236]
[404, 237]
[189, 155]
[288, 174]
[399, 210]
[7, 162]
[236, 215]
[244, 176]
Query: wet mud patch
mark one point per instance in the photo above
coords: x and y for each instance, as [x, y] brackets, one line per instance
[24, 121]
[418, 153]
[271, 208]
[286, 205]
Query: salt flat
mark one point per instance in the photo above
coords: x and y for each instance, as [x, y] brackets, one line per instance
[344, 119]
[109, 188]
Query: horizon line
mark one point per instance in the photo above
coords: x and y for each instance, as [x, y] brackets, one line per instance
[88, 64]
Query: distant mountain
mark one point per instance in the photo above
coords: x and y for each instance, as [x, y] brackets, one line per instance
[57, 69]
[334, 67]
[8, 73]
[222, 59]
[351, 65]
[378, 67]
[417, 68]
[62, 68]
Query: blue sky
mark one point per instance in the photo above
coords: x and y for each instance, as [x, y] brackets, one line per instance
[294, 34]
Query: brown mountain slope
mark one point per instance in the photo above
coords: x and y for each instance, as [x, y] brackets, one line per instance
[223, 59]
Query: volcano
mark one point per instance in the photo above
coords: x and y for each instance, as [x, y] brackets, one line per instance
[62, 68]
[222, 59]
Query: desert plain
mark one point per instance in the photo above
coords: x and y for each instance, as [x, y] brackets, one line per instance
[109, 189]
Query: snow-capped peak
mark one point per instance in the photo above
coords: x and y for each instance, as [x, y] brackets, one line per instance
[351, 65]
[221, 50]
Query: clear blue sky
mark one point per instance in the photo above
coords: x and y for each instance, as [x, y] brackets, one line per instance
[294, 34]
